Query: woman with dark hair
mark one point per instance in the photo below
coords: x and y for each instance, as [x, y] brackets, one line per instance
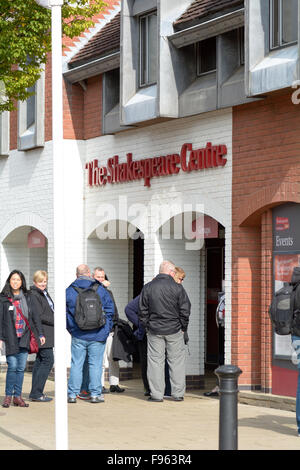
[15, 316]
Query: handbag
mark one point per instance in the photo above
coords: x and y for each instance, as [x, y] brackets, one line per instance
[33, 344]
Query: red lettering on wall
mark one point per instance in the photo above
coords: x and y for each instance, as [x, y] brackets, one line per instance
[188, 160]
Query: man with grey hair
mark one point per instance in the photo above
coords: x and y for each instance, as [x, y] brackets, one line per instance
[164, 310]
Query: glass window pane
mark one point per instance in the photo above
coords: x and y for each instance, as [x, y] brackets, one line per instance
[275, 23]
[152, 48]
[207, 55]
[143, 51]
[30, 109]
[242, 45]
[289, 21]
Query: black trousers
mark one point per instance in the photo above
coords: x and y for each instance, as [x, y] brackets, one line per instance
[142, 346]
[43, 364]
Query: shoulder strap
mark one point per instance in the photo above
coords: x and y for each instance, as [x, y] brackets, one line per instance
[25, 320]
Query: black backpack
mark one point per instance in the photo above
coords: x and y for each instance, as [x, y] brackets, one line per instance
[282, 309]
[88, 313]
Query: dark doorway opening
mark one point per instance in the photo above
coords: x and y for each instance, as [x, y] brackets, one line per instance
[215, 274]
[138, 266]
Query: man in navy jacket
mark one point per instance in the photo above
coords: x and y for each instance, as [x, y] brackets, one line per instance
[87, 342]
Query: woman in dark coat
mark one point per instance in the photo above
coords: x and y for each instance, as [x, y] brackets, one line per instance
[15, 311]
[44, 306]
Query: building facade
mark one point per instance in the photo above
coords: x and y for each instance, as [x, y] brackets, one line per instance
[180, 142]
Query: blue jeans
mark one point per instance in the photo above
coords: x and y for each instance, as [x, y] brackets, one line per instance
[16, 364]
[94, 350]
[296, 346]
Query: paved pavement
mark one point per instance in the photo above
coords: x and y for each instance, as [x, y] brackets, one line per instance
[128, 421]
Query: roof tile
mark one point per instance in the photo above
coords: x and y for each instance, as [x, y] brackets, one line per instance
[106, 41]
[202, 8]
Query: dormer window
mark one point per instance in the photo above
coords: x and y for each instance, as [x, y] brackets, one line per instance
[148, 49]
[284, 22]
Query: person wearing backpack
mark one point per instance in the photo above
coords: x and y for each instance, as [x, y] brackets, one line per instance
[90, 313]
[295, 332]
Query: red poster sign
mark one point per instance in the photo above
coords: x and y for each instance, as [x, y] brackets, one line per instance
[284, 265]
[36, 239]
[205, 227]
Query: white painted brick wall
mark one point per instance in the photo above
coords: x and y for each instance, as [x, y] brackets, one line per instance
[26, 200]
[210, 188]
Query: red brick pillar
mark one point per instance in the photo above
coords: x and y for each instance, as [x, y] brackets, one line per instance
[266, 294]
[246, 304]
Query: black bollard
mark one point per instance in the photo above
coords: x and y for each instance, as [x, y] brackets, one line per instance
[228, 382]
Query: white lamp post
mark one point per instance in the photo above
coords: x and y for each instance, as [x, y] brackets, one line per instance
[61, 410]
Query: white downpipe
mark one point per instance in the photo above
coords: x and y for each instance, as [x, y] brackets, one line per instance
[61, 410]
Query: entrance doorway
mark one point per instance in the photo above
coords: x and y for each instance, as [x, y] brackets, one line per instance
[215, 274]
[138, 266]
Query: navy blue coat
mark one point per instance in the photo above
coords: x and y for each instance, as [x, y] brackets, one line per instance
[99, 334]
[131, 312]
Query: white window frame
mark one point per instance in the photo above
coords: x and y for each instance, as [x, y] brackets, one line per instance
[4, 134]
[32, 137]
[147, 82]
[280, 26]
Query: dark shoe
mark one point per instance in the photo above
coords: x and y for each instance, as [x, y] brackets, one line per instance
[105, 390]
[18, 401]
[97, 399]
[84, 395]
[147, 394]
[7, 402]
[116, 388]
[178, 398]
[155, 399]
[72, 400]
[42, 399]
[211, 394]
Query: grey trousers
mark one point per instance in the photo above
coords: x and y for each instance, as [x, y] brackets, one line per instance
[158, 345]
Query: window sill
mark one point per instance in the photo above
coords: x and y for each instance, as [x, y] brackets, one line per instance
[141, 107]
[277, 70]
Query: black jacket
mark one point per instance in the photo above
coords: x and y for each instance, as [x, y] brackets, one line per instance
[164, 306]
[295, 327]
[41, 306]
[7, 326]
[124, 341]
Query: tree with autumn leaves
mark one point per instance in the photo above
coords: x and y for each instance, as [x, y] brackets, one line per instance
[25, 41]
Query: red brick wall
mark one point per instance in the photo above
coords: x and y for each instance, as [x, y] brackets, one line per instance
[73, 105]
[93, 108]
[266, 172]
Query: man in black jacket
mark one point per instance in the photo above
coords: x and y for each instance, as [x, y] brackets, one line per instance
[164, 310]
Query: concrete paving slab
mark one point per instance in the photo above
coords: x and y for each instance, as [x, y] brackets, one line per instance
[127, 421]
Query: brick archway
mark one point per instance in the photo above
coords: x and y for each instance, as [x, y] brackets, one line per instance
[252, 281]
[255, 204]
